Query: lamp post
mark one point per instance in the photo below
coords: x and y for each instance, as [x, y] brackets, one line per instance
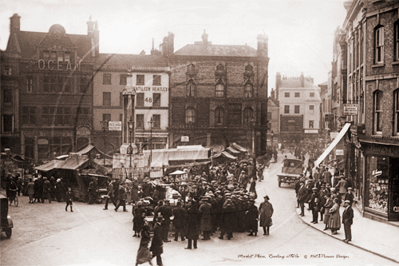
[253, 123]
[151, 122]
[104, 126]
[271, 135]
[130, 125]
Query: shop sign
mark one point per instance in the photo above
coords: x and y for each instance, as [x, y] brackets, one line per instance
[115, 125]
[185, 139]
[350, 109]
[311, 131]
[51, 65]
[339, 152]
[333, 135]
[160, 89]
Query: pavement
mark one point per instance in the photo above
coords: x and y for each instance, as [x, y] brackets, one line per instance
[375, 237]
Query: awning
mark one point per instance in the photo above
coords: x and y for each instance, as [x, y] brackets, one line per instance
[238, 147]
[225, 154]
[230, 149]
[333, 144]
[49, 166]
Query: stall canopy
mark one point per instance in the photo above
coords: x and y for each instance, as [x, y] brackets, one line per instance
[238, 147]
[231, 150]
[333, 144]
[225, 154]
[50, 165]
[192, 152]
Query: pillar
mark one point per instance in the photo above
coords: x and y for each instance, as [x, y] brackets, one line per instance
[208, 139]
[36, 150]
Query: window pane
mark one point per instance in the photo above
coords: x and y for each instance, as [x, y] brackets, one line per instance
[140, 121]
[123, 79]
[107, 79]
[139, 79]
[286, 94]
[156, 99]
[140, 99]
[286, 109]
[156, 80]
[106, 99]
[157, 121]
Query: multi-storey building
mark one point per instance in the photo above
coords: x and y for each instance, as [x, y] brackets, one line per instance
[273, 115]
[369, 48]
[299, 101]
[218, 93]
[148, 75]
[51, 82]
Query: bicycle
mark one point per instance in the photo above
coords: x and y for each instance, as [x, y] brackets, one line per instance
[14, 199]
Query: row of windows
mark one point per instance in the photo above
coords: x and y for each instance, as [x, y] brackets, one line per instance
[379, 43]
[54, 83]
[56, 56]
[219, 90]
[298, 94]
[155, 100]
[50, 115]
[140, 79]
[378, 112]
[297, 109]
[139, 120]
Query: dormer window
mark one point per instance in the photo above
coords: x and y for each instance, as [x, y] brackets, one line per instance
[60, 56]
[53, 56]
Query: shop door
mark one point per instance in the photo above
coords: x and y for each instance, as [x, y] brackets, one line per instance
[393, 214]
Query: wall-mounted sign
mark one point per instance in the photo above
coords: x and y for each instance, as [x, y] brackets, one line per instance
[339, 152]
[115, 125]
[150, 88]
[311, 131]
[350, 109]
[185, 139]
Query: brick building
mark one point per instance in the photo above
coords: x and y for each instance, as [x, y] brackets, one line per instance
[50, 82]
[369, 41]
[273, 117]
[218, 93]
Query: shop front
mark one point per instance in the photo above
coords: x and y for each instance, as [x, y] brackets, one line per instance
[381, 181]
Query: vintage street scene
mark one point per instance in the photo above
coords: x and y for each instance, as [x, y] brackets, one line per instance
[199, 133]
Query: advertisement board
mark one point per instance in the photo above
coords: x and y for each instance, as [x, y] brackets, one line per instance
[115, 125]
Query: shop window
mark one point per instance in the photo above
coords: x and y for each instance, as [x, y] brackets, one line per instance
[140, 99]
[396, 111]
[140, 80]
[106, 98]
[220, 90]
[248, 116]
[156, 80]
[248, 90]
[379, 45]
[190, 90]
[156, 99]
[286, 109]
[377, 112]
[296, 109]
[219, 115]
[29, 84]
[190, 115]
[28, 115]
[157, 121]
[122, 79]
[140, 121]
[106, 79]
[377, 184]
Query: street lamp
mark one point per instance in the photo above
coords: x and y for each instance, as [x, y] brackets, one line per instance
[130, 125]
[151, 122]
[271, 135]
[104, 126]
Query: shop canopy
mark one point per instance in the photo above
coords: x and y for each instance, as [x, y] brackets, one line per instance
[232, 151]
[238, 147]
[225, 154]
[333, 144]
[49, 165]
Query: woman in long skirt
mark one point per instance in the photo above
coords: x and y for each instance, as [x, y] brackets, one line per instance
[143, 254]
[335, 218]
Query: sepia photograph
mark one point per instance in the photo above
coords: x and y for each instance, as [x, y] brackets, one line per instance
[188, 132]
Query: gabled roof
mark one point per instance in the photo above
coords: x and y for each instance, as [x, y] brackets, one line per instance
[127, 61]
[216, 50]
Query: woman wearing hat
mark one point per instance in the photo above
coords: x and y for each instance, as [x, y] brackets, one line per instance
[143, 254]
[266, 213]
[335, 219]
[157, 243]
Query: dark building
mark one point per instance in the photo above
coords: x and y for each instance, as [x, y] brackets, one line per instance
[48, 81]
[218, 94]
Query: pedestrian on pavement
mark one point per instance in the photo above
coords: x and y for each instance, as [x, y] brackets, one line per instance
[46, 190]
[179, 221]
[206, 218]
[192, 226]
[322, 200]
[314, 205]
[252, 215]
[68, 199]
[297, 187]
[302, 195]
[166, 213]
[342, 187]
[110, 194]
[266, 213]
[349, 196]
[335, 219]
[228, 219]
[31, 190]
[143, 254]
[122, 199]
[326, 176]
[326, 208]
[347, 220]
[157, 243]
[138, 218]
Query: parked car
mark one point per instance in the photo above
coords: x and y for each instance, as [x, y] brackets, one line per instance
[6, 221]
[290, 171]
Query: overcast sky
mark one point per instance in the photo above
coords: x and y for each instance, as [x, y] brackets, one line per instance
[300, 31]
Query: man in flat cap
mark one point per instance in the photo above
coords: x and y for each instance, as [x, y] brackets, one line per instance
[314, 204]
[347, 220]
[206, 218]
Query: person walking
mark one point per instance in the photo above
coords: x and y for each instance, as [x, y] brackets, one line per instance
[342, 187]
[192, 224]
[266, 213]
[347, 220]
[68, 199]
[122, 199]
[157, 243]
[30, 190]
[179, 221]
[252, 215]
[110, 194]
[206, 218]
[335, 219]
[138, 218]
[143, 254]
[166, 212]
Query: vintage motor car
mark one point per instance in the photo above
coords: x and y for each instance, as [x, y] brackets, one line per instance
[290, 171]
[6, 221]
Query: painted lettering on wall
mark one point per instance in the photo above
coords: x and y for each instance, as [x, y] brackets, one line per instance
[51, 65]
[150, 88]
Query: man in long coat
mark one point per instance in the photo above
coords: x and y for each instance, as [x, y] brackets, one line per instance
[206, 218]
[192, 223]
[179, 221]
[266, 213]
[30, 190]
[302, 194]
[157, 243]
[228, 220]
[347, 220]
[314, 205]
[252, 215]
[166, 212]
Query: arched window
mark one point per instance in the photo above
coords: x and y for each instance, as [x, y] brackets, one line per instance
[220, 67]
[190, 89]
[248, 90]
[396, 40]
[191, 68]
[219, 116]
[248, 115]
[377, 112]
[379, 44]
[220, 90]
[190, 115]
[396, 111]
[248, 68]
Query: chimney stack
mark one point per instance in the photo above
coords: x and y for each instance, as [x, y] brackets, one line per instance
[15, 23]
[278, 83]
[262, 45]
[302, 80]
[205, 38]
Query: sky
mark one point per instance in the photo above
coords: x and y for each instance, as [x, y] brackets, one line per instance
[300, 32]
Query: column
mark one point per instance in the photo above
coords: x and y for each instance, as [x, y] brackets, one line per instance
[36, 150]
[208, 139]
[22, 143]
